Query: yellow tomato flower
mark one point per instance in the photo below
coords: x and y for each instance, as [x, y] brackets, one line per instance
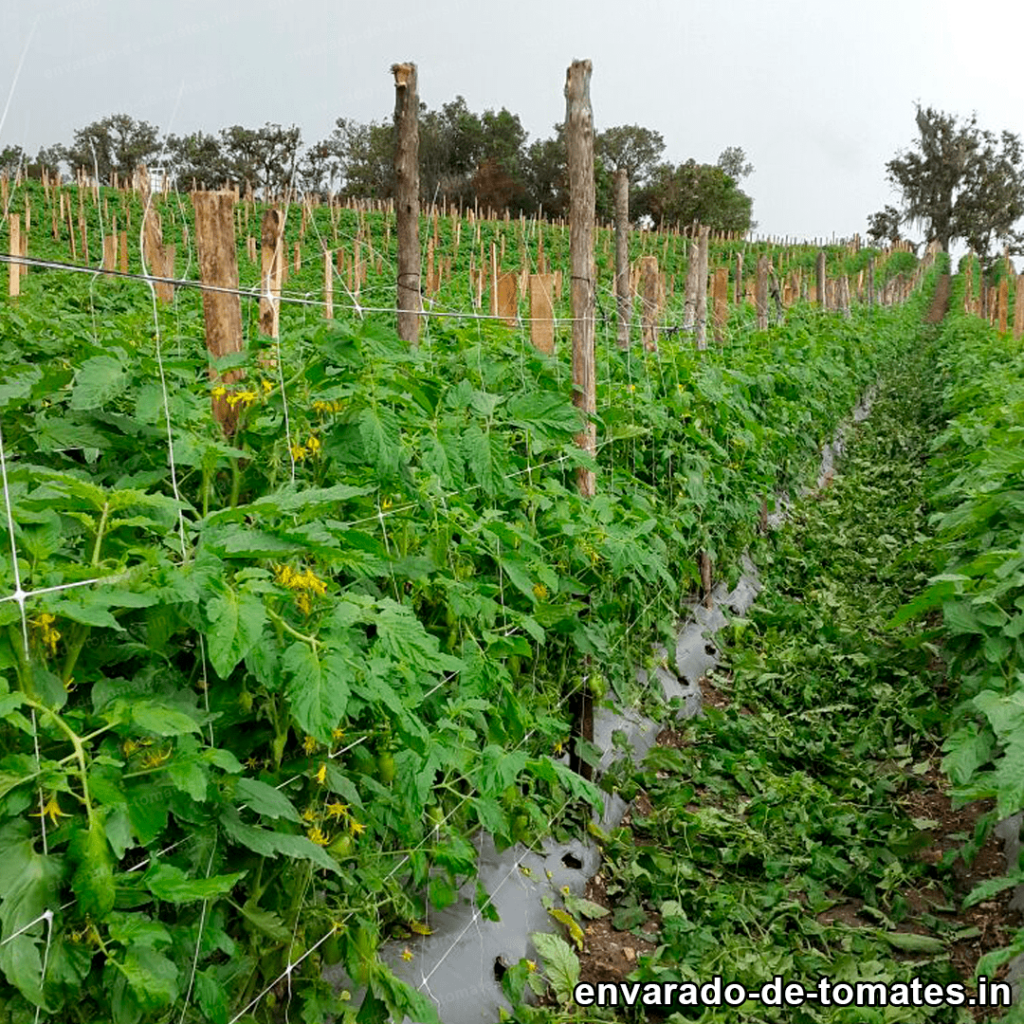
[356, 827]
[531, 965]
[298, 452]
[51, 809]
[156, 758]
[219, 391]
[309, 744]
[309, 814]
[407, 954]
[267, 386]
[318, 837]
[540, 591]
[337, 810]
[313, 444]
[321, 775]
[337, 734]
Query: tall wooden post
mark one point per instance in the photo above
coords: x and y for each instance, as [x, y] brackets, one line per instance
[1004, 302]
[739, 280]
[407, 200]
[650, 289]
[871, 282]
[328, 286]
[721, 303]
[1018, 306]
[579, 130]
[542, 325]
[222, 311]
[623, 299]
[819, 270]
[272, 259]
[700, 326]
[690, 287]
[14, 269]
[761, 292]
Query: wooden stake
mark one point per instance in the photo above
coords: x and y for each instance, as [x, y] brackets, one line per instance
[13, 270]
[272, 259]
[721, 303]
[579, 131]
[624, 302]
[542, 324]
[508, 297]
[407, 200]
[222, 311]
[819, 278]
[761, 292]
[700, 326]
[328, 286]
[651, 305]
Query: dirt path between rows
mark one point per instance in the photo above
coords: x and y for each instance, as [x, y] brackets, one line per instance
[940, 301]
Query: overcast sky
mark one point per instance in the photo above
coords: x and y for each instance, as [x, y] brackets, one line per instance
[819, 94]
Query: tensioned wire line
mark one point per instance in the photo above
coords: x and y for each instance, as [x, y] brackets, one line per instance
[255, 293]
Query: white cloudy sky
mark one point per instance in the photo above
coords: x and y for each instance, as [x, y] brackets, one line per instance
[819, 94]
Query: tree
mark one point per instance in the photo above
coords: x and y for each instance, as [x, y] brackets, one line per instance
[48, 158]
[734, 162]
[264, 157]
[11, 158]
[632, 147]
[885, 225]
[545, 174]
[198, 157]
[695, 192]
[114, 144]
[365, 154]
[960, 182]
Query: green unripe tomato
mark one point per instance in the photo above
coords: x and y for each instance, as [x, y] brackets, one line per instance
[342, 847]
[245, 701]
[386, 767]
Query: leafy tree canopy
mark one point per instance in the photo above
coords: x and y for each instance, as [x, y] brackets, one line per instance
[960, 183]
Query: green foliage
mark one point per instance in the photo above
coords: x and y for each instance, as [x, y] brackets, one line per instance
[285, 687]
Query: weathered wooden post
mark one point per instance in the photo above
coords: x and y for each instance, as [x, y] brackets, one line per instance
[650, 289]
[739, 280]
[871, 282]
[222, 311]
[690, 286]
[624, 302]
[328, 285]
[579, 129]
[720, 296]
[1018, 306]
[761, 292]
[123, 252]
[407, 200]
[508, 297]
[542, 324]
[700, 327]
[819, 279]
[14, 269]
[272, 258]
[1004, 302]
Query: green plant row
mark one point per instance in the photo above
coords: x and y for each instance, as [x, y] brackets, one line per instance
[325, 650]
[974, 602]
[782, 834]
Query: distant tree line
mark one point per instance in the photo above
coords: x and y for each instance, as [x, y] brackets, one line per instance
[465, 157]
